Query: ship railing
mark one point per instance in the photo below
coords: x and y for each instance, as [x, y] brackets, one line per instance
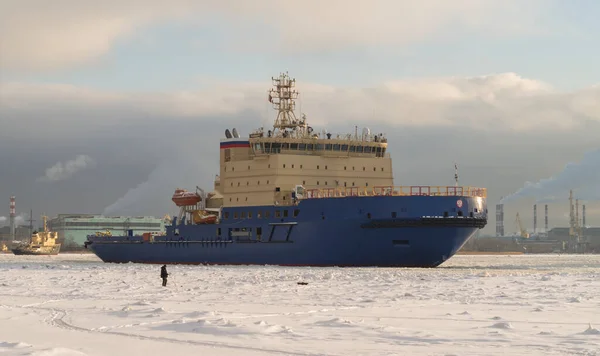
[426, 190]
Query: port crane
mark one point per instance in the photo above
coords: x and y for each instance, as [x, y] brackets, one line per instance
[522, 231]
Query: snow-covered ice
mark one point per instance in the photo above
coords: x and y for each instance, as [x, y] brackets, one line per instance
[472, 305]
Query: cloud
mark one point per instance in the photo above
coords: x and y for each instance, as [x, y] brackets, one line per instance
[504, 101]
[65, 170]
[502, 129]
[38, 35]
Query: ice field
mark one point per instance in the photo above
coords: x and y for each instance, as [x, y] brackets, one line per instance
[472, 305]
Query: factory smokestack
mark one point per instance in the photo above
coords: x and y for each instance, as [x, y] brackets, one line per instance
[12, 217]
[583, 215]
[499, 219]
[546, 217]
[534, 218]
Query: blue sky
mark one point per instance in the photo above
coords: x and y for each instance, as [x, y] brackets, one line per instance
[173, 55]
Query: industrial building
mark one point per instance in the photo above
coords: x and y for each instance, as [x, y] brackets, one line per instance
[73, 229]
[577, 237]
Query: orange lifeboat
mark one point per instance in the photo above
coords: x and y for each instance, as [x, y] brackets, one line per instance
[182, 197]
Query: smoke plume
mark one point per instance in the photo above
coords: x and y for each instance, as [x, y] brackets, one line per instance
[64, 170]
[19, 220]
[583, 177]
[153, 196]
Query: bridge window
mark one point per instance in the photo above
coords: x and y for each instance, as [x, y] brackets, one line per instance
[382, 169]
[226, 215]
[277, 213]
[344, 147]
[267, 214]
[363, 168]
[243, 215]
[300, 166]
[344, 167]
[394, 214]
[296, 212]
[317, 167]
[235, 215]
[258, 214]
[292, 166]
[303, 182]
[249, 215]
[285, 213]
[317, 182]
[248, 167]
[284, 165]
[325, 167]
[374, 169]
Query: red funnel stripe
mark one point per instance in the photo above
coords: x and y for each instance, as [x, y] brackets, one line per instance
[235, 144]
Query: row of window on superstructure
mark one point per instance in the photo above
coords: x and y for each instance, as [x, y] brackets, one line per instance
[276, 147]
[364, 168]
[346, 184]
[260, 214]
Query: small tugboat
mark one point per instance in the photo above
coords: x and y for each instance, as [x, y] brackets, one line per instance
[42, 243]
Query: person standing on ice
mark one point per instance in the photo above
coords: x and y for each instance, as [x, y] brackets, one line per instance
[164, 275]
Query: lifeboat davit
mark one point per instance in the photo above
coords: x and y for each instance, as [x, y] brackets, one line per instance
[208, 219]
[182, 197]
[203, 217]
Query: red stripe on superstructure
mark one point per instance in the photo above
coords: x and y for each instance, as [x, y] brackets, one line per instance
[235, 145]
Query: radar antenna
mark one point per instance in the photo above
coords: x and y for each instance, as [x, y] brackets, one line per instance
[282, 98]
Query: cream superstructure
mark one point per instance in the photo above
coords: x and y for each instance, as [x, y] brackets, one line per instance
[267, 167]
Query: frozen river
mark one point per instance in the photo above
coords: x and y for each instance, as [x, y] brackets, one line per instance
[472, 305]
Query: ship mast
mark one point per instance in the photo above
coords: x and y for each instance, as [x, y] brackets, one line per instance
[282, 97]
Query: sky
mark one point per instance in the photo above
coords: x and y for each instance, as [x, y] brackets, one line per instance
[106, 107]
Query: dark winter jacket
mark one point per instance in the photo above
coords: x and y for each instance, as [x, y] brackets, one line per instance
[163, 272]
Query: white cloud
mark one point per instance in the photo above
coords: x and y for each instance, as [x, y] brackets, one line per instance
[494, 102]
[65, 170]
[37, 34]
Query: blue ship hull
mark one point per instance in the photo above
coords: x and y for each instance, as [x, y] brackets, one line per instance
[385, 231]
